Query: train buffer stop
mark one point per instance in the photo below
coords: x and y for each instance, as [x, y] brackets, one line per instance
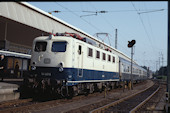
[8, 91]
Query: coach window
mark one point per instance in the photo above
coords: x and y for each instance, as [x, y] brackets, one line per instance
[104, 56]
[128, 69]
[19, 62]
[90, 53]
[59, 46]
[40, 46]
[109, 58]
[25, 64]
[10, 63]
[139, 71]
[113, 59]
[98, 54]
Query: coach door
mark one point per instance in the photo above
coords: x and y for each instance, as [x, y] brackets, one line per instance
[80, 60]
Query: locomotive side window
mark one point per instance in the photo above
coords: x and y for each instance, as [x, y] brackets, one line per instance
[98, 54]
[109, 58]
[104, 56]
[59, 46]
[113, 59]
[90, 53]
[40, 46]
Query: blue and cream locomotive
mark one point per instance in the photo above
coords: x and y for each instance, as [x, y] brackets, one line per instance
[69, 65]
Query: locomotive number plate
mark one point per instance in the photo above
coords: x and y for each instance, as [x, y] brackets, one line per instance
[46, 74]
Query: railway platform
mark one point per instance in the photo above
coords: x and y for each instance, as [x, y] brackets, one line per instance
[8, 91]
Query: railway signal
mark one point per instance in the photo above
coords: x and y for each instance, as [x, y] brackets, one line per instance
[130, 45]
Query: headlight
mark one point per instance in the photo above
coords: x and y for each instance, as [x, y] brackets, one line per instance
[61, 69]
[33, 68]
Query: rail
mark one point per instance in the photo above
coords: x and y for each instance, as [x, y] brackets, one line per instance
[142, 103]
[100, 109]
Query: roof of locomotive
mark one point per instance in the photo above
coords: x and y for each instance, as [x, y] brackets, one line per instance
[69, 37]
[51, 37]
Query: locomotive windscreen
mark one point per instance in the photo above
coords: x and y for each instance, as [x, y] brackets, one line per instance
[40, 46]
[59, 46]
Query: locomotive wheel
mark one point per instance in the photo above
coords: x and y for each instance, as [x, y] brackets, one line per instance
[86, 92]
[70, 92]
[100, 90]
[25, 92]
[91, 90]
[63, 91]
[67, 92]
[37, 94]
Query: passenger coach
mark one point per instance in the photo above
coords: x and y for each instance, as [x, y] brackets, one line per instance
[11, 58]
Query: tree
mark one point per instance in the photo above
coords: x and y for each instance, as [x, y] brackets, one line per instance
[163, 71]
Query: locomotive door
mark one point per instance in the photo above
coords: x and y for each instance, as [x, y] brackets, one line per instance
[120, 70]
[80, 60]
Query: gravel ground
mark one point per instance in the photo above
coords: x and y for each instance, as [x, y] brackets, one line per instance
[130, 103]
[84, 104]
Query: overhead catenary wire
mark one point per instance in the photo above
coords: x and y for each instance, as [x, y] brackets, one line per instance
[106, 20]
[110, 24]
[143, 26]
[118, 11]
[149, 23]
[79, 17]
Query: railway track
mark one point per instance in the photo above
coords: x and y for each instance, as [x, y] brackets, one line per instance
[129, 104]
[156, 103]
[28, 105]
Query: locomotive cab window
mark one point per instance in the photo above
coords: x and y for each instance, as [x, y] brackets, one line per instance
[59, 46]
[40, 46]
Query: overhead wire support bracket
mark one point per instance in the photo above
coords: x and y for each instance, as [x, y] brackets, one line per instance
[54, 12]
[95, 13]
[150, 11]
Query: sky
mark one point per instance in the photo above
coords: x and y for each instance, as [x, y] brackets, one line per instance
[146, 22]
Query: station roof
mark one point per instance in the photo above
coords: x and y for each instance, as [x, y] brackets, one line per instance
[21, 22]
[14, 54]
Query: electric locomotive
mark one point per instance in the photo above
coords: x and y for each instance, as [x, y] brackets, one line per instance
[68, 64]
